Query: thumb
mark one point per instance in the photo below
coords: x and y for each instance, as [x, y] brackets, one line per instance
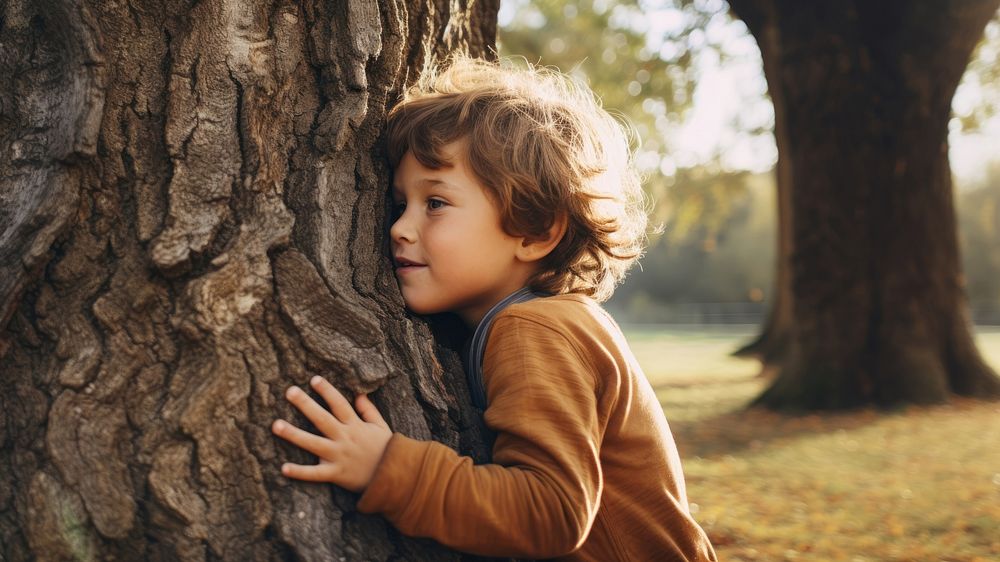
[368, 411]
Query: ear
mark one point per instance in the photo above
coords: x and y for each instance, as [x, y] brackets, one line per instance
[534, 249]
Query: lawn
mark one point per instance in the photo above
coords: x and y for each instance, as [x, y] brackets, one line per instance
[916, 484]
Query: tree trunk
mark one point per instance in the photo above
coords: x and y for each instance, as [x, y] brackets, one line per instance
[192, 208]
[771, 346]
[879, 312]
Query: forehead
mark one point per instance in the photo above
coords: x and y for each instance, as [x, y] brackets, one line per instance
[411, 174]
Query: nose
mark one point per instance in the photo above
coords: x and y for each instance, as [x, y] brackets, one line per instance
[402, 229]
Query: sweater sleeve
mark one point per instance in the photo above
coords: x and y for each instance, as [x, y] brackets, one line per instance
[540, 497]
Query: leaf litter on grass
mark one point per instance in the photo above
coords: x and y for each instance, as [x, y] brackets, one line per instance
[915, 484]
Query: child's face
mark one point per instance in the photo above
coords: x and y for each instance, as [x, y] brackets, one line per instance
[451, 253]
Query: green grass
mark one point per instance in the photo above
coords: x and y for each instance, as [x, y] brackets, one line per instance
[914, 484]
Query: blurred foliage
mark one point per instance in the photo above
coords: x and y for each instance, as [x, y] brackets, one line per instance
[609, 46]
[734, 261]
[704, 201]
[729, 262]
[644, 59]
[978, 97]
[978, 209]
[641, 58]
[614, 49]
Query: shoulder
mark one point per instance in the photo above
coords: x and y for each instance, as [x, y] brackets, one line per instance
[559, 338]
[573, 320]
[572, 315]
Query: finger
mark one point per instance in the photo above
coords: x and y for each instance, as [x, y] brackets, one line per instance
[318, 415]
[339, 405]
[309, 472]
[369, 412]
[302, 439]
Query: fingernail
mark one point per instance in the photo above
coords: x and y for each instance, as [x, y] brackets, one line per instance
[316, 380]
[278, 425]
[291, 391]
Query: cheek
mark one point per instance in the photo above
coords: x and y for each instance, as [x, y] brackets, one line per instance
[437, 238]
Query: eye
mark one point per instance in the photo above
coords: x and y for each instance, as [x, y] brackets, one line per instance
[435, 204]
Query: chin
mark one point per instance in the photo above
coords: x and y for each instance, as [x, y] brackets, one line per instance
[421, 308]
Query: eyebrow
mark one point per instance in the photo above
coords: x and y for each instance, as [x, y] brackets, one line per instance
[426, 183]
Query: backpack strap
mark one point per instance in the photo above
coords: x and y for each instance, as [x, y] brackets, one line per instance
[476, 347]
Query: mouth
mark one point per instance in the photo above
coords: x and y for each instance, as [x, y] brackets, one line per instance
[404, 264]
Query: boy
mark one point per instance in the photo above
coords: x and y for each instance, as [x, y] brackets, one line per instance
[511, 184]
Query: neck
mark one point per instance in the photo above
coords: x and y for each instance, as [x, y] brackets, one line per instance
[472, 319]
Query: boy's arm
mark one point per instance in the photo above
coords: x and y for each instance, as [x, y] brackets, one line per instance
[540, 497]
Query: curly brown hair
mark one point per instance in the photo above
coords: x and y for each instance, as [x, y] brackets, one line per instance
[544, 148]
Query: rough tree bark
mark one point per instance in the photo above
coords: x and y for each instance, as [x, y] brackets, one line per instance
[879, 313]
[192, 209]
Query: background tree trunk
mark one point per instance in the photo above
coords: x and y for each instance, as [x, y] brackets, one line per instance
[192, 208]
[879, 314]
[771, 346]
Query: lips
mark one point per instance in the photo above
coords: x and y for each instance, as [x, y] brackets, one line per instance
[407, 264]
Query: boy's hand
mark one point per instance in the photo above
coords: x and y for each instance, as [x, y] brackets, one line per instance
[349, 449]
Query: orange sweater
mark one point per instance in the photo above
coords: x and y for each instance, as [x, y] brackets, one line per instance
[585, 465]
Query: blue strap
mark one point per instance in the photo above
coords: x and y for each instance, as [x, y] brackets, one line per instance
[477, 344]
